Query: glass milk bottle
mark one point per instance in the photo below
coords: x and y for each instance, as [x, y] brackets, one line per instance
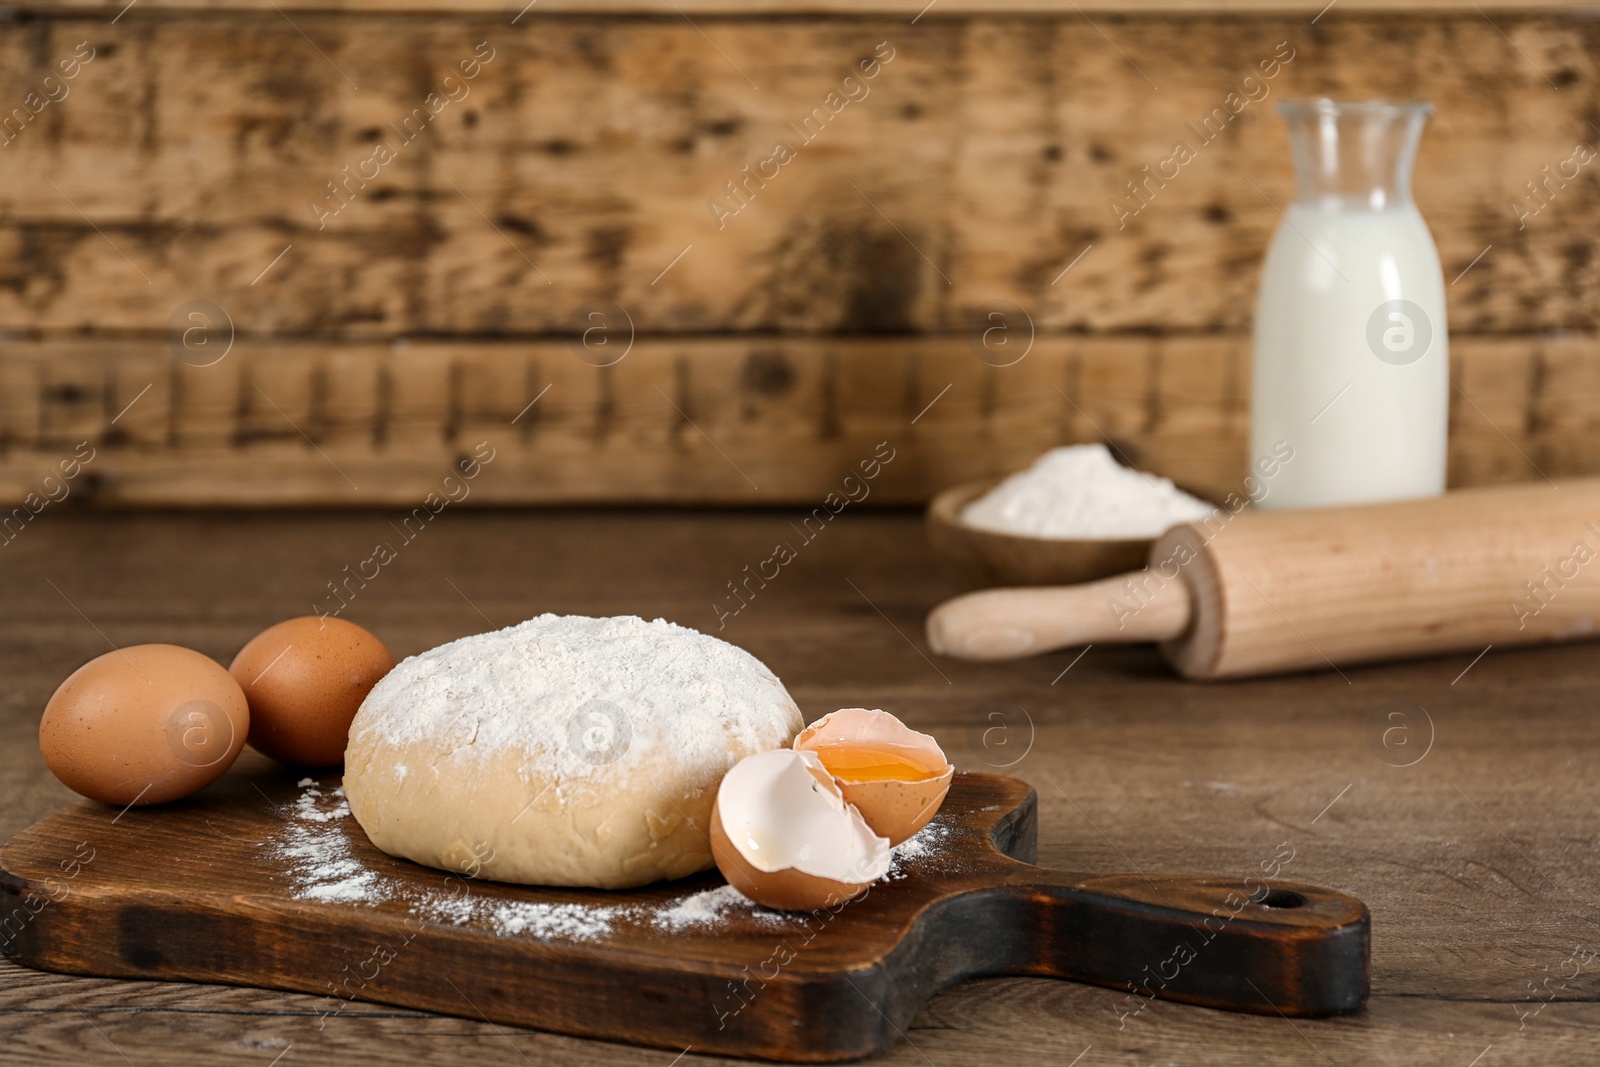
[1350, 394]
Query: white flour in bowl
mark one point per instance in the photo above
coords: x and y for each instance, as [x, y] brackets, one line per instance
[1081, 492]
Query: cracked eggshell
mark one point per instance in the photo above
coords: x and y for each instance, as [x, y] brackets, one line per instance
[895, 808]
[784, 836]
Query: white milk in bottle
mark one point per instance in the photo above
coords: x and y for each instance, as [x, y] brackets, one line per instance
[1351, 373]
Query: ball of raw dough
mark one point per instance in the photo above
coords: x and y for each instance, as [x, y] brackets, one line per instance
[563, 751]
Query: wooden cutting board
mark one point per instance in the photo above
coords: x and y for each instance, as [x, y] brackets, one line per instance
[263, 881]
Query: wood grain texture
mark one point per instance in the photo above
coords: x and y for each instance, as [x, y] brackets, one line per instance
[985, 157]
[186, 891]
[1475, 859]
[1326, 587]
[778, 8]
[191, 158]
[695, 420]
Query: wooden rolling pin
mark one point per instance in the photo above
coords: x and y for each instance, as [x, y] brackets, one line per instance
[1255, 593]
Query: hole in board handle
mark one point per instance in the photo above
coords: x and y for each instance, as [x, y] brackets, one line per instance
[1280, 898]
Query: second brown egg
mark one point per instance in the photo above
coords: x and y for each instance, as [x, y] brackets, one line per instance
[305, 678]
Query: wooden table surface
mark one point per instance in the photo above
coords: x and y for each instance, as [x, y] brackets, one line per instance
[1456, 797]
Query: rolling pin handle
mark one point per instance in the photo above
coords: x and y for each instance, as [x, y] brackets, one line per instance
[1004, 624]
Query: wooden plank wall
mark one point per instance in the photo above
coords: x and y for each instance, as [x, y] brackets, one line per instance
[356, 344]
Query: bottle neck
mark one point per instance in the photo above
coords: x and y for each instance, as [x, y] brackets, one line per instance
[1354, 156]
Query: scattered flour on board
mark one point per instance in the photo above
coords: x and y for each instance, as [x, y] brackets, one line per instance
[317, 853]
[321, 865]
[314, 844]
[1081, 491]
[711, 906]
[926, 843]
[457, 909]
[567, 922]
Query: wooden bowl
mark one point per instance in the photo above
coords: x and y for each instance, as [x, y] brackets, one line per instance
[983, 558]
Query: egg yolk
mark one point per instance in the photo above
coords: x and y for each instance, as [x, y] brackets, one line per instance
[874, 763]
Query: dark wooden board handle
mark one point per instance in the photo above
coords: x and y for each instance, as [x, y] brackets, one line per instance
[1254, 945]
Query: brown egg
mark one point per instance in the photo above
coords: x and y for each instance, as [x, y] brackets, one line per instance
[144, 725]
[782, 834]
[304, 679]
[896, 776]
